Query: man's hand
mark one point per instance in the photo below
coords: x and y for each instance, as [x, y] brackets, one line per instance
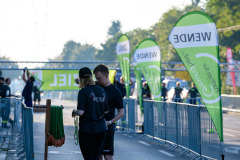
[109, 123]
[74, 113]
[24, 70]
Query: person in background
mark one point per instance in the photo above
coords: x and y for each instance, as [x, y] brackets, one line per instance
[1, 83]
[146, 93]
[122, 80]
[164, 92]
[131, 84]
[5, 104]
[92, 104]
[115, 101]
[120, 86]
[178, 93]
[193, 92]
[36, 95]
[27, 91]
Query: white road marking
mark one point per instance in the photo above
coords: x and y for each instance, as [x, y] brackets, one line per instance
[229, 135]
[145, 143]
[230, 130]
[59, 152]
[233, 150]
[168, 154]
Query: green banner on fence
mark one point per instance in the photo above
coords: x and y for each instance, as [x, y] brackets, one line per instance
[123, 54]
[195, 39]
[148, 57]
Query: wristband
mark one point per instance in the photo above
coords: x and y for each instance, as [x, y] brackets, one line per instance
[110, 122]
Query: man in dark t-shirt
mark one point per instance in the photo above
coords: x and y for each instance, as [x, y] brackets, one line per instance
[5, 109]
[164, 92]
[193, 94]
[178, 93]
[27, 91]
[115, 101]
[36, 95]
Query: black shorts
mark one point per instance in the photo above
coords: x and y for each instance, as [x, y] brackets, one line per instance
[36, 98]
[108, 145]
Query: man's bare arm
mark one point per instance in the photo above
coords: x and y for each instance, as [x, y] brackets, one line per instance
[119, 115]
[28, 74]
[24, 77]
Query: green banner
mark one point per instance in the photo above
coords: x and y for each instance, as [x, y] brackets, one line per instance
[38, 83]
[148, 57]
[138, 77]
[60, 80]
[195, 39]
[123, 54]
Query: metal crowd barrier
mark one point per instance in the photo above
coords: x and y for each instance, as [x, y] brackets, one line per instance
[28, 131]
[17, 125]
[10, 109]
[184, 126]
[127, 122]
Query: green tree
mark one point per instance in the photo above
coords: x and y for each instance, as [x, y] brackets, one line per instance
[226, 14]
[115, 28]
[108, 51]
[162, 30]
[137, 36]
[73, 51]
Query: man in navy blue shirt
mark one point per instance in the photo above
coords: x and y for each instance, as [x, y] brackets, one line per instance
[27, 91]
[115, 101]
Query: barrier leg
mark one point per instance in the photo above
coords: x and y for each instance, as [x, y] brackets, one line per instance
[47, 128]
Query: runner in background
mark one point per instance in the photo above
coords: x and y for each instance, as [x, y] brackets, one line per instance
[178, 93]
[36, 95]
[193, 92]
[164, 92]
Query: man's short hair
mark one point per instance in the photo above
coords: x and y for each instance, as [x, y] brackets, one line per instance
[1, 78]
[6, 80]
[32, 79]
[101, 68]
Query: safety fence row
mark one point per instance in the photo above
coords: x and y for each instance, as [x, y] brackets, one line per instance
[180, 125]
[17, 125]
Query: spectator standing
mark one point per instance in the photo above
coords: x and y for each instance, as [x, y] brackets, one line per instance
[115, 101]
[146, 93]
[1, 83]
[178, 93]
[36, 95]
[130, 83]
[27, 91]
[120, 86]
[193, 94]
[91, 106]
[164, 91]
[5, 104]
